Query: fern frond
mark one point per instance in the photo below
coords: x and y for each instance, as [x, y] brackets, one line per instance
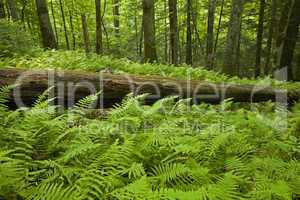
[87, 102]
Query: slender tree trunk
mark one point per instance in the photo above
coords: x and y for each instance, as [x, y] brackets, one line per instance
[13, 10]
[290, 40]
[7, 9]
[297, 70]
[24, 4]
[218, 32]
[166, 32]
[259, 39]
[116, 13]
[149, 31]
[99, 40]
[286, 9]
[189, 51]
[197, 34]
[71, 13]
[141, 42]
[136, 32]
[210, 34]
[85, 34]
[47, 34]
[64, 24]
[174, 35]
[2, 9]
[238, 54]
[72, 31]
[54, 22]
[231, 51]
[268, 66]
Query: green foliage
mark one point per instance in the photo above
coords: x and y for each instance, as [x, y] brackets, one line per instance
[165, 151]
[14, 40]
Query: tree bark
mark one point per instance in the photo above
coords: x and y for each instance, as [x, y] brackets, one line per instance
[286, 8]
[290, 40]
[99, 40]
[174, 37]
[71, 86]
[85, 34]
[268, 66]
[259, 38]
[230, 66]
[72, 27]
[54, 22]
[13, 10]
[189, 49]
[218, 32]
[47, 34]
[116, 13]
[64, 24]
[2, 10]
[210, 34]
[149, 31]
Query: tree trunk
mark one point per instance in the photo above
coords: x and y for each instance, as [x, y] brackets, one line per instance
[218, 32]
[85, 34]
[2, 9]
[13, 10]
[47, 34]
[259, 38]
[286, 9]
[71, 86]
[210, 34]
[64, 24]
[149, 31]
[268, 66]
[290, 40]
[189, 50]
[54, 22]
[174, 37]
[72, 31]
[116, 13]
[231, 51]
[166, 32]
[99, 40]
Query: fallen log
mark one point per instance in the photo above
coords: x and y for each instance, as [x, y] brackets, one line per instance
[70, 86]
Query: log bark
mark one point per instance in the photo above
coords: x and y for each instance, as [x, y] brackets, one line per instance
[71, 86]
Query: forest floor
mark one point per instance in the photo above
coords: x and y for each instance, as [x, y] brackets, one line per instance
[169, 150]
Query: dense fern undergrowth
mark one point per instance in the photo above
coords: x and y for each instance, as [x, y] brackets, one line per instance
[165, 151]
[77, 60]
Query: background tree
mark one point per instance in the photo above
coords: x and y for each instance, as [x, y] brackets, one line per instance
[210, 34]
[259, 39]
[116, 15]
[149, 31]
[189, 51]
[64, 24]
[272, 23]
[174, 37]
[290, 40]
[233, 36]
[99, 42]
[47, 34]
[85, 34]
[13, 10]
[2, 9]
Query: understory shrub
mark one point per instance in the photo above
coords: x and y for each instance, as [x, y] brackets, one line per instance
[77, 60]
[14, 40]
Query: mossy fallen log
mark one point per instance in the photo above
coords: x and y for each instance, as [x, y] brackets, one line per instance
[70, 86]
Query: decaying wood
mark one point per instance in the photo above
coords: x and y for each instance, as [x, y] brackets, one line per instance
[30, 84]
